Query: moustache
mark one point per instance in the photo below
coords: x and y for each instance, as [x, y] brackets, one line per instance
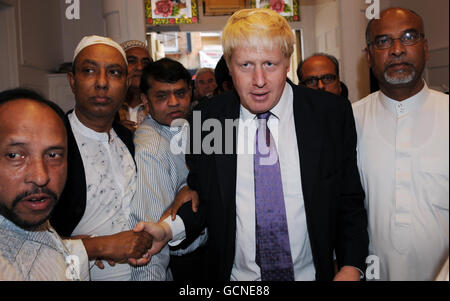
[53, 196]
[389, 64]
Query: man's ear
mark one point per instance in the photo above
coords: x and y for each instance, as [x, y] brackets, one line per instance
[129, 80]
[145, 102]
[71, 79]
[426, 49]
[368, 55]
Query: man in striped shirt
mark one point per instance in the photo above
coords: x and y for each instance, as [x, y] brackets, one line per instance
[162, 171]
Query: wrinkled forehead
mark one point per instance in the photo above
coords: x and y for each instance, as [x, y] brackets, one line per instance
[24, 118]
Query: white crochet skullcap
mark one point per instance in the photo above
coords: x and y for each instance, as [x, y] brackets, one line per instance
[127, 45]
[94, 40]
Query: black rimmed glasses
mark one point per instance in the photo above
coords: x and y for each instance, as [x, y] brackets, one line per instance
[313, 81]
[408, 38]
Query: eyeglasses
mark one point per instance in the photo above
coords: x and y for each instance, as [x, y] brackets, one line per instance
[408, 38]
[313, 81]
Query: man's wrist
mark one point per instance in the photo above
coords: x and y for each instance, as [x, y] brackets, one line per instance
[95, 247]
[167, 229]
[177, 230]
[348, 273]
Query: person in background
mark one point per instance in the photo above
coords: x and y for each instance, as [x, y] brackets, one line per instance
[132, 112]
[321, 71]
[34, 169]
[204, 85]
[223, 79]
[403, 152]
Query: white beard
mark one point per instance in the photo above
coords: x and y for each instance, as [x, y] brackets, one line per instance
[400, 77]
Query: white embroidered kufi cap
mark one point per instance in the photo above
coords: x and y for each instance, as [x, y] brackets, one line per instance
[132, 44]
[93, 40]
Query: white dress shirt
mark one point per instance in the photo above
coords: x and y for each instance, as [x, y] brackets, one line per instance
[282, 121]
[110, 185]
[403, 159]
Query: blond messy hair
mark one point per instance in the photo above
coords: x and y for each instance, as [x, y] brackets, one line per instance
[257, 28]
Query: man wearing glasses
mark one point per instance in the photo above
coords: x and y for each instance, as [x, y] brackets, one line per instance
[403, 152]
[320, 71]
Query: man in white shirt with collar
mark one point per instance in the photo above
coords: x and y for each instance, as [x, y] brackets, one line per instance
[403, 152]
[279, 200]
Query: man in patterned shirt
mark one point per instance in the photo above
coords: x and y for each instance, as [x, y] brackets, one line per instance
[101, 182]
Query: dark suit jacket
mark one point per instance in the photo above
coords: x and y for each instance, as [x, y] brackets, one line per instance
[72, 203]
[333, 196]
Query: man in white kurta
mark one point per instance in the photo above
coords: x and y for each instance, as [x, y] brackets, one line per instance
[403, 153]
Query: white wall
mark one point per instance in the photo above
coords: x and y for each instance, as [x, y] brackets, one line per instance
[327, 27]
[9, 73]
[72, 31]
[354, 67]
[307, 11]
[37, 43]
[124, 19]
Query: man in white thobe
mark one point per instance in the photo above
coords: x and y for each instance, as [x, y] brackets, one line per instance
[403, 152]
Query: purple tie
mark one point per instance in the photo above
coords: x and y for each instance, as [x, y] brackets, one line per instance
[273, 251]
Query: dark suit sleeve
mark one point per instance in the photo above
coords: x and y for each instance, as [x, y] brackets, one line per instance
[194, 223]
[352, 238]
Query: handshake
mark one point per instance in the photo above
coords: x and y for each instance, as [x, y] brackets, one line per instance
[138, 245]
[135, 246]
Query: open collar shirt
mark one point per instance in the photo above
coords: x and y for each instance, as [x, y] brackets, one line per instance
[110, 185]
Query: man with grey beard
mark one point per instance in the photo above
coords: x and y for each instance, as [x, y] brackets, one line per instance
[403, 152]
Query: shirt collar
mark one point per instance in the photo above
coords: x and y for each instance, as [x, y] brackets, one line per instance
[87, 132]
[280, 110]
[9, 225]
[408, 105]
[136, 109]
[172, 130]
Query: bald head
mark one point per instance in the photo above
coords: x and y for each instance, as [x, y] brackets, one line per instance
[390, 12]
[320, 71]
